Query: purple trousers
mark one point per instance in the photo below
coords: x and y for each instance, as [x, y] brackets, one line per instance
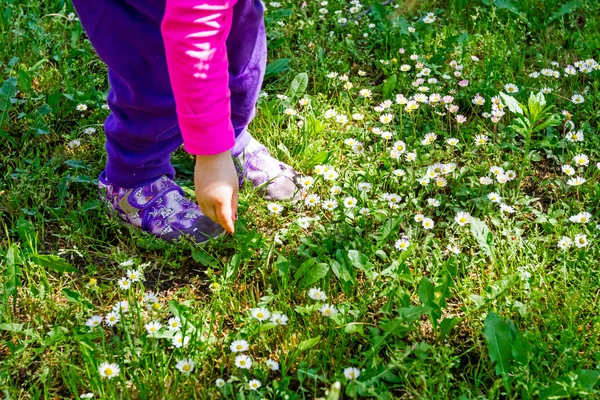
[142, 130]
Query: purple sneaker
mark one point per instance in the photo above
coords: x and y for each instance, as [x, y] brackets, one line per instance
[159, 208]
[273, 179]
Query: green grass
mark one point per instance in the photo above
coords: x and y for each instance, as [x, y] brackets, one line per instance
[511, 316]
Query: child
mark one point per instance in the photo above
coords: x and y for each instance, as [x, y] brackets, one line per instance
[182, 71]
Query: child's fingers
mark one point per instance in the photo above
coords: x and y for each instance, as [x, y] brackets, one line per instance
[225, 216]
[234, 204]
[210, 212]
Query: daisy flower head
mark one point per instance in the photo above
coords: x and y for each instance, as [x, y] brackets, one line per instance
[312, 200]
[429, 18]
[127, 263]
[580, 241]
[364, 186]
[402, 244]
[386, 118]
[575, 136]
[275, 208]
[238, 346]
[577, 99]
[88, 395]
[428, 223]
[134, 275]
[399, 173]
[304, 222]
[485, 180]
[366, 93]
[335, 190]
[578, 181]
[185, 366]
[243, 361]
[461, 119]
[463, 218]
[174, 324]
[568, 170]
[481, 140]
[329, 204]
[364, 211]
[507, 209]
[307, 181]
[433, 202]
[511, 88]
[429, 138]
[330, 175]
[81, 107]
[452, 141]
[411, 156]
[581, 160]
[272, 364]
[153, 327]
[180, 341]
[254, 384]
[440, 181]
[581, 218]
[328, 310]
[94, 321]
[279, 319]
[75, 143]
[220, 383]
[317, 294]
[419, 217]
[564, 243]
[494, 197]
[112, 318]
[351, 373]
[452, 248]
[109, 370]
[260, 313]
[350, 202]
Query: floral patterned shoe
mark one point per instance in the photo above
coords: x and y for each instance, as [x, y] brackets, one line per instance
[159, 208]
[273, 179]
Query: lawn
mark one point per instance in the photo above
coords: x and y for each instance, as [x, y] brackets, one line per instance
[447, 245]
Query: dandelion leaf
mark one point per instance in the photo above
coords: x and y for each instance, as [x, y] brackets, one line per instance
[497, 336]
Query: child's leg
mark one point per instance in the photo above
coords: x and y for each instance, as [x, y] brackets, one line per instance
[142, 131]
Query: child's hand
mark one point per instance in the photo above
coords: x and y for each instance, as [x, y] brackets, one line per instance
[216, 185]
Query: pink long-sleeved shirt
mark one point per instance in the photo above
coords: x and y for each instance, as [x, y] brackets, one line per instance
[194, 33]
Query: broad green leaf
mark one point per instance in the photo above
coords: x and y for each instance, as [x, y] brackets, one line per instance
[521, 349]
[390, 226]
[565, 9]
[426, 292]
[482, 235]
[340, 270]
[277, 66]
[309, 343]
[447, 325]
[318, 158]
[25, 230]
[303, 268]
[389, 86]
[299, 85]
[557, 390]
[75, 297]
[508, 5]
[313, 274]
[53, 262]
[497, 336]
[512, 104]
[588, 378]
[11, 327]
[409, 315]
